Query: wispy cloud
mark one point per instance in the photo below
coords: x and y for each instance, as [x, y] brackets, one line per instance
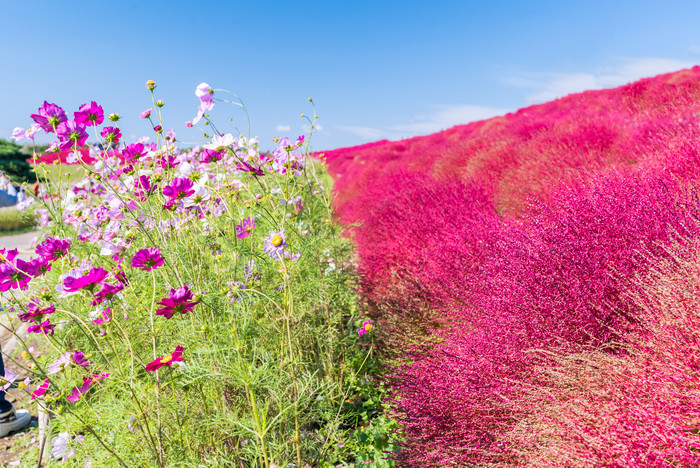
[283, 128]
[445, 117]
[441, 118]
[367, 133]
[553, 85]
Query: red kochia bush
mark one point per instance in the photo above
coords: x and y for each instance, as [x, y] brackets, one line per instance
[550, 275]
[639, 407]
[554, 280]
[431, 234]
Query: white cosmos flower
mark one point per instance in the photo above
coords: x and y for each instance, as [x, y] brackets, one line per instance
[219, 143]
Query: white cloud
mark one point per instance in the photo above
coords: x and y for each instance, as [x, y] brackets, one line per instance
[548, 86]
[368, 133]
[445, 117]
[442, 118]
[283, 128]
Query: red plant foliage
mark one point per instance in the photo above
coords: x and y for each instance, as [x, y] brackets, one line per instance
[517, 241]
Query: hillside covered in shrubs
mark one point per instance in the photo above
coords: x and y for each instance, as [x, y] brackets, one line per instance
[534, 279]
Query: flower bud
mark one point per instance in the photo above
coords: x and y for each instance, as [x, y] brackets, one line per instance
[151, 85]
[160, 103]
[158, 129]
[114, 117]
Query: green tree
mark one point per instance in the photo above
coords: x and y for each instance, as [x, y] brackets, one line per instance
[13, 162]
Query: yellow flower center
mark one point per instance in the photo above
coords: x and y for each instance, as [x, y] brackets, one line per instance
[368, 327]
[276, 241]
[166, 360]
[2, 258]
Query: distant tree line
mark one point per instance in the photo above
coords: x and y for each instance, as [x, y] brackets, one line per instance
[13, 162]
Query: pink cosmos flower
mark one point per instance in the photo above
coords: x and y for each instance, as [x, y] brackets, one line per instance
[70, 134]
[17, 275]
[7, 380]
[147, 259]
[176, 356]
[90, 115]
[20, 134]
[111, 135]
[204, 92]
[105, 318]
[41, 390]
[146, 114]
[178, 300]
[78, 358]
[210, 156]
[158, 129]
[50, 116]
[94, 277]
[133, 152]
[35, 313]
[39, 266]
[204, 106]
[45, 327]
[246, 227]
[53, 248]
[59, 364]
[366, 327]
[179, 187]
[79, 392]
[107, 293]
[256, 171]
[168, 162]
[8, 255]
[275, 244]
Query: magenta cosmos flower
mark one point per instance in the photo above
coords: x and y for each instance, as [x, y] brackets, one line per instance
[45, 327]
[17, 275]
[71, 133]
[147, 259]
[35, 313]
[246, 227]
[107, 293]
[94, 277]
[41, 390]
[210, 155]
[89, 115]
[178, 300]
[146, 114]
[53, 248]
[50, 116]
[366, 327]
[179, 187]
[176, 356]
[79, 392]
[111, 135]
[134, 152]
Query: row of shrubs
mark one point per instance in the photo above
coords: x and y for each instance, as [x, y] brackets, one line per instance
[535, 279]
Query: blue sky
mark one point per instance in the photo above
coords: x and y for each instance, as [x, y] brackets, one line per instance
[376, 69]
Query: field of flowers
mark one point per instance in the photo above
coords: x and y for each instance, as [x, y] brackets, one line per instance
[189, 307]
[520, 291]
[534, 280]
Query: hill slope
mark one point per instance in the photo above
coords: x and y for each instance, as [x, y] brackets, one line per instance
[549, 256]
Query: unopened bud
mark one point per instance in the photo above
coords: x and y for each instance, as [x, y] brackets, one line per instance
[160, 103]
[151, 85]
[114, 117]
